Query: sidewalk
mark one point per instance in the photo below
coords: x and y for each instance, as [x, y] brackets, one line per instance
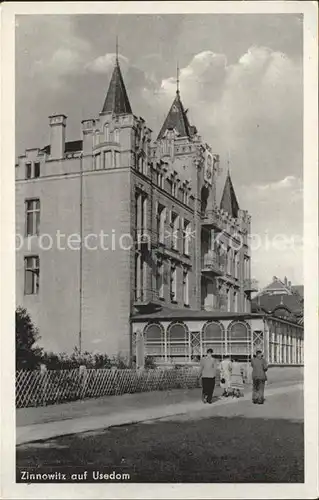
[83, 416]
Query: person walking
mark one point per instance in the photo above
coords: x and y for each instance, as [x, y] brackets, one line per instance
[208, 375]
[225, 375]
[236, 380]
[260, 367]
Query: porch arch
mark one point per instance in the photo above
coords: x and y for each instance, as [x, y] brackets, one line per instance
[154, 340]
[213, 337]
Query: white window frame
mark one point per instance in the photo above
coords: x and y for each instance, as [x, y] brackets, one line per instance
[34, 213]
[32, 265]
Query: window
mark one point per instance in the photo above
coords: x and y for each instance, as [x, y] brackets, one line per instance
[31, 277]
[239, 341]
[32, 217]
[173, 282]
[116, 135]
[117, 158]
[174, 189]
[154, 340]
[106, 133]
[213, 336]
[185, 288]
[37, 169]
[186, 237]
[108, 159]
[97, 161]
[160, 280]
[178, 345]
[28, 170]
[170, 186]
[175, 230]
[161, 216]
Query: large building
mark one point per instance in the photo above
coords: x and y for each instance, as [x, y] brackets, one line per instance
[116, 226]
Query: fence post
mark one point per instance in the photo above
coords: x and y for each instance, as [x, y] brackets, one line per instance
[83, 378]
[140, 355]
[44, 382]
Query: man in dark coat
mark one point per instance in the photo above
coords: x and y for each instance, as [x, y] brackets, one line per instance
[259, 377]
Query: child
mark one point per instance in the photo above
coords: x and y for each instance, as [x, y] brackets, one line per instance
[236, 381]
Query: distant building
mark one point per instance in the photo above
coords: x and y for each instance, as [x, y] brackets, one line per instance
[280, 298]
[157, 234]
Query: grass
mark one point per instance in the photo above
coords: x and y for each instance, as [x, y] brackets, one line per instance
[218, 449]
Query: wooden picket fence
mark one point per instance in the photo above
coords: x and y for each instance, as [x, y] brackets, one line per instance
[36, 388]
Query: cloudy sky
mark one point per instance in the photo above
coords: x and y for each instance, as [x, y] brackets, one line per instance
[240, 76]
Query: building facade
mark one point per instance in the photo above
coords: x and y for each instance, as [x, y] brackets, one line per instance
[182, 337]
[117, 225]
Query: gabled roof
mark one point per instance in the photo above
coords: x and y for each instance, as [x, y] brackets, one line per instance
[269, 303]
[177, 119]
[116, 100]
[229, 201]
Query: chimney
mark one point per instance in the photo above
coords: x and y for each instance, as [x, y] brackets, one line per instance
[57, 136]
[289, 285]
[286, 281]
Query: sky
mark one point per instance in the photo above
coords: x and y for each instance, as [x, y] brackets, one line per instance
[241, 78]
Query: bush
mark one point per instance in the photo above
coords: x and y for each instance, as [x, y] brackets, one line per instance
[28, 356]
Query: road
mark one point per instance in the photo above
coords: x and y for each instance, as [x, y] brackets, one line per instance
[229, 441]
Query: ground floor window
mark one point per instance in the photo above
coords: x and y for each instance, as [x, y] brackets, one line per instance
[178, 342]
[213, 337]
[154, 341]
[239, 339]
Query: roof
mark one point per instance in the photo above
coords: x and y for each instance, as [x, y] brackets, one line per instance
[174, 314]
[269, 303]
[229, 201]
[177, 120]
[70, 147]
[116, 100]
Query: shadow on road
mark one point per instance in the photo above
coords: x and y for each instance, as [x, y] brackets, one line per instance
[216, 450]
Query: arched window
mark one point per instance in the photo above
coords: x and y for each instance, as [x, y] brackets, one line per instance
[116, 135]
[213, 337]
[96, 138]
[178, 347]
[239, 339]
[154, 340]
[106, 132]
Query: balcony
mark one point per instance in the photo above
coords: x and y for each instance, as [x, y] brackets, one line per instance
[250, 285]
[212, 219]
[211, 264]
[146, 298]
[144, 239]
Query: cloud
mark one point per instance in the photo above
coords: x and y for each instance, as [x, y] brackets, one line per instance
[105, 63]
[59, 57]
[251, 109]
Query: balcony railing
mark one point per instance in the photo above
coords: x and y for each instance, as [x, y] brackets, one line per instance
[214, 219]
[211, 263]
[145, 296]
[250, 285]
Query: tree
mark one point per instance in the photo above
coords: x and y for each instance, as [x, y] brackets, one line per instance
[28, 356]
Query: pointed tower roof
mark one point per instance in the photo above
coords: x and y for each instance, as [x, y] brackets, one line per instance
[229, 201]
[177, 119]
[116, 100]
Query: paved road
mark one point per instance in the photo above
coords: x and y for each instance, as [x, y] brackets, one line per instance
[229, 441]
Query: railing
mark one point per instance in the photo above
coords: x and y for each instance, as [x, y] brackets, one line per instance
[213, 218]
[145, 295]
[34, 388]
[212, 263]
